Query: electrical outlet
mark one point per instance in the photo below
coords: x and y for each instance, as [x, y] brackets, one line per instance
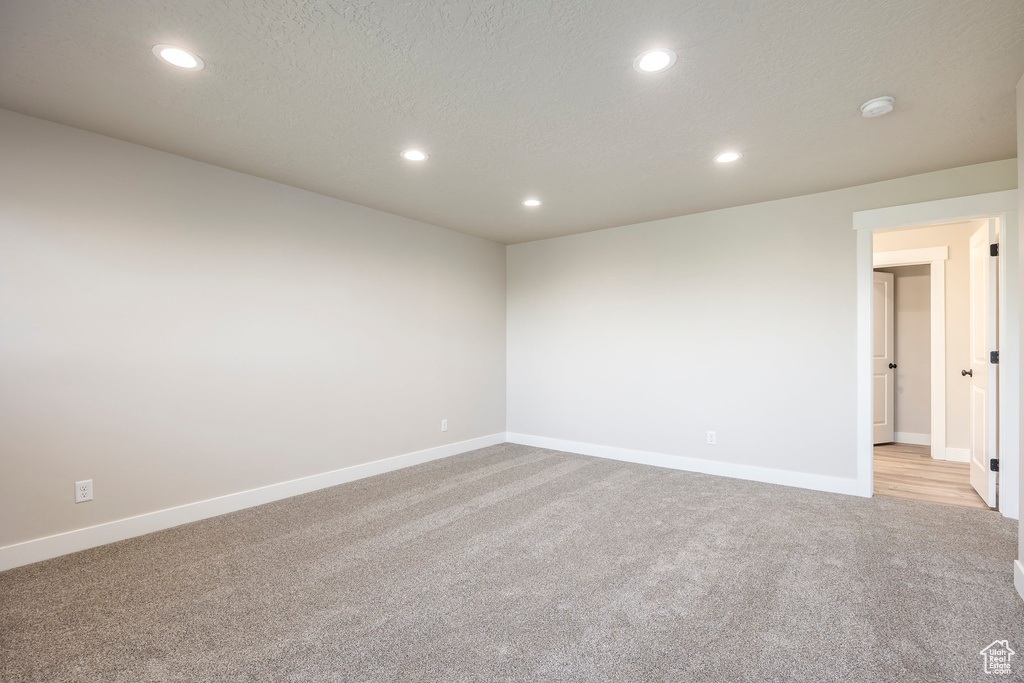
[444, 425]
[83, 491]
[712, 438]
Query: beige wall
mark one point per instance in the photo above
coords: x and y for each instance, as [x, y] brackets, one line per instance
[742, 321]
[176, 331]
[955, 236]
[911, 285]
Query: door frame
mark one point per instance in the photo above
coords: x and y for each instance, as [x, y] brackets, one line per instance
[935, 258]
[1002, 205]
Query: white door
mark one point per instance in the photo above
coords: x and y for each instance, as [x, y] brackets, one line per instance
[884, 359]
[983, 374]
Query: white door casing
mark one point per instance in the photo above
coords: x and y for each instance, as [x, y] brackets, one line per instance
[884, 358]
[982, 374]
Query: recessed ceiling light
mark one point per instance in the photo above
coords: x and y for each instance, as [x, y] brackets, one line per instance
[654, 61]
[414, 155]
[728, 157]
[532, 202]
[880, 106]
[183, 59]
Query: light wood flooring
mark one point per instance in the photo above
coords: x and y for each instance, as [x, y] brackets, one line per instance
[905, 471]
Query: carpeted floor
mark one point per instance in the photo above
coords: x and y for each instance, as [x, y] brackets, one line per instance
[517, 563]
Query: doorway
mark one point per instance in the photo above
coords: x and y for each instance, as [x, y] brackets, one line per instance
[923, 414]
[903, 358]
[991, 407]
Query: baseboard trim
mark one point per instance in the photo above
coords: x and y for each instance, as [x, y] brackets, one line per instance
[913, 438]
[815, 482]
[49, 547]
[958, 454]
[1018, 577]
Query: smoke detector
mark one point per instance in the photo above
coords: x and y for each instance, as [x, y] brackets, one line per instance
[880, 106]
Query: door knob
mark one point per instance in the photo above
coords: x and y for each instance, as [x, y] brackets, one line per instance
[967, 373]
[892, 366]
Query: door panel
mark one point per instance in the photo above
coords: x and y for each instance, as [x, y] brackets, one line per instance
[983, 374]
[884, 359]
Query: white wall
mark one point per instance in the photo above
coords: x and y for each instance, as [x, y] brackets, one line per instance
[911, 307]
[741, 321]
[176, 331]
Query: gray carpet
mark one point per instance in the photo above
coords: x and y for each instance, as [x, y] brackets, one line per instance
[516, 563]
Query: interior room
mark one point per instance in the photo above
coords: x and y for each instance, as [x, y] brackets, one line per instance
[449, 340]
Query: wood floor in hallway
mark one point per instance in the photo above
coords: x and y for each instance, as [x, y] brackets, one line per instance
[906, 471]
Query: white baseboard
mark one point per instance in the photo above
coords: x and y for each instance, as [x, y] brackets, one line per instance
[958, 454]
[815, 482]
[913, 438]
[1018, 577]
[80, 539]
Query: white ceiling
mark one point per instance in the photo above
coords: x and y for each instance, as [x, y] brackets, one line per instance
[532, 97]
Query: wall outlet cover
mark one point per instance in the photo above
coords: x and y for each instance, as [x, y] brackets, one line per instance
[83, 491]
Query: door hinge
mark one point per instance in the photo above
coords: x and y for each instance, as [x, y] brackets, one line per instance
[993, 358]
[993, 249]
[993, 464]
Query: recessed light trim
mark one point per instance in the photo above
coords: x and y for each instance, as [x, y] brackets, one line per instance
[880, 106]
[654, 61]
[414, 155]
[532, 202]
[176, 56]
[728, 157]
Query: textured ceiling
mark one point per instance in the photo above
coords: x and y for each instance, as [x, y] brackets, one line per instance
[532, 97]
